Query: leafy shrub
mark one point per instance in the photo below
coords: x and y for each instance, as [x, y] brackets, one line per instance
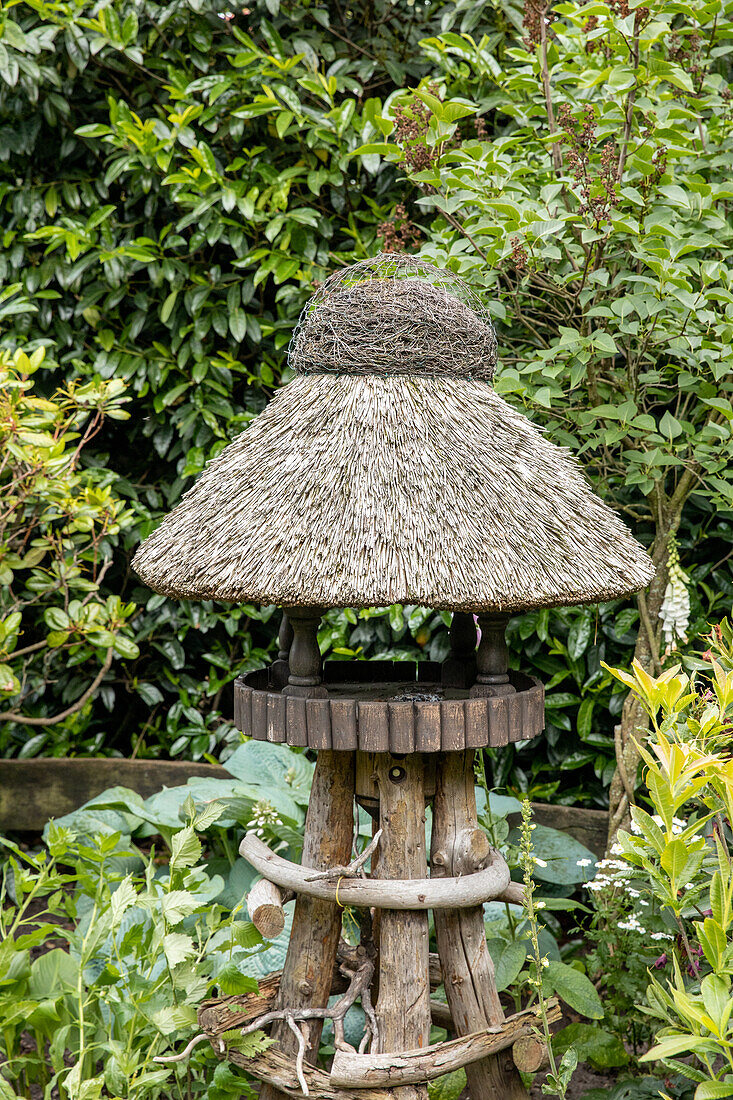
[579, 171]
[61, 520]
[173, 177]
[131, 938]
[109, 943]
[676, 872]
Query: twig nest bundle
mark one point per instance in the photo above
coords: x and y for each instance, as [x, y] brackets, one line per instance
[367, 488]
[395, 315]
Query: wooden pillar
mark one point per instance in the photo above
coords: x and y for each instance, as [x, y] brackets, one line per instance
[308, 970]
[460, 847]
[459, 668]
[305, 656]
[280, 669]
[403, 1006]
[492, 659]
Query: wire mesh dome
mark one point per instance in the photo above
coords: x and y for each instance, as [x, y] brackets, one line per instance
[395, 314]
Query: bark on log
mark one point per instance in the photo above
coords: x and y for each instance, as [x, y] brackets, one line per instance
[418, 893]
[468, 971]
[351, 1071]
[277, 1071]
[265, 908]
[403, 1008]
[308, 969]
[220, 1014]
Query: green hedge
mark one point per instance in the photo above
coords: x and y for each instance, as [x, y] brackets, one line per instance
[174, 179]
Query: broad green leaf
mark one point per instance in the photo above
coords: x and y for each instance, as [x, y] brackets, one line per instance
[574, 988]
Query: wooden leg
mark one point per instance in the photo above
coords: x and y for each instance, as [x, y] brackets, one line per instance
[459, 847]
[403, 1007]
[306, 979]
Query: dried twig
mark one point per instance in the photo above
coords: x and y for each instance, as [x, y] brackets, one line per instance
[166, 1059]
[353, 868]
[298, 1033]
[360, 973]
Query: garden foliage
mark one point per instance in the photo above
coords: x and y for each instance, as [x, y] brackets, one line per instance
[668, 890]
[132, 913]
[60, 522]
[175, 178]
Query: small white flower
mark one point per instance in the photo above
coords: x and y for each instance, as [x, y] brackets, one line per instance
[616, 849]
[583, 862]
[545, 961]
[540, 905]
[631, 925]
[661, 936]
[539, 862]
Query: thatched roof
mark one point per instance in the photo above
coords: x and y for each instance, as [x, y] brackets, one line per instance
[395, 314]
[360, 491]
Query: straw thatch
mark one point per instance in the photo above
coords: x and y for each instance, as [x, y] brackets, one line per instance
[357, 491]
[395, 314]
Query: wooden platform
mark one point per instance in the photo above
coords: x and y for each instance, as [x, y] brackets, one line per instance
[385, 706]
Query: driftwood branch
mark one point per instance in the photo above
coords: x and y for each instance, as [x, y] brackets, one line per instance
[300, 1058]
[360, 976]
[412, 1066]
[419, 893]
[353, 869]
[185, 1054]
[530, 1054]
[513, 895]
[220, 1014]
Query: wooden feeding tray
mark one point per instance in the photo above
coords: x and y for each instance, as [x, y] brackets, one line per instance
[388, 706]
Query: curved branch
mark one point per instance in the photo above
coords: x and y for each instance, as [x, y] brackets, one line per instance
[166, 1059]
[11, 716]
[417, 893]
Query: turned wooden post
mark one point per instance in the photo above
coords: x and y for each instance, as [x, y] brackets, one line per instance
[460, 847]
[306, 978]
[280, 669]
[459, 668]
[403, 1006]
[492, 659]
[305, 657]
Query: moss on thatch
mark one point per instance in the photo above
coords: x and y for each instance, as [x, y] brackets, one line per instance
[356, 491]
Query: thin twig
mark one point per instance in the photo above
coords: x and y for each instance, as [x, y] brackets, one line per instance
[297, 1032]
[354, 867]
[630, 101]
[11, 716]
[168, 1058]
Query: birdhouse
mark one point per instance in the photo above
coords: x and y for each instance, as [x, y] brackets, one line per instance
[390, 471]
